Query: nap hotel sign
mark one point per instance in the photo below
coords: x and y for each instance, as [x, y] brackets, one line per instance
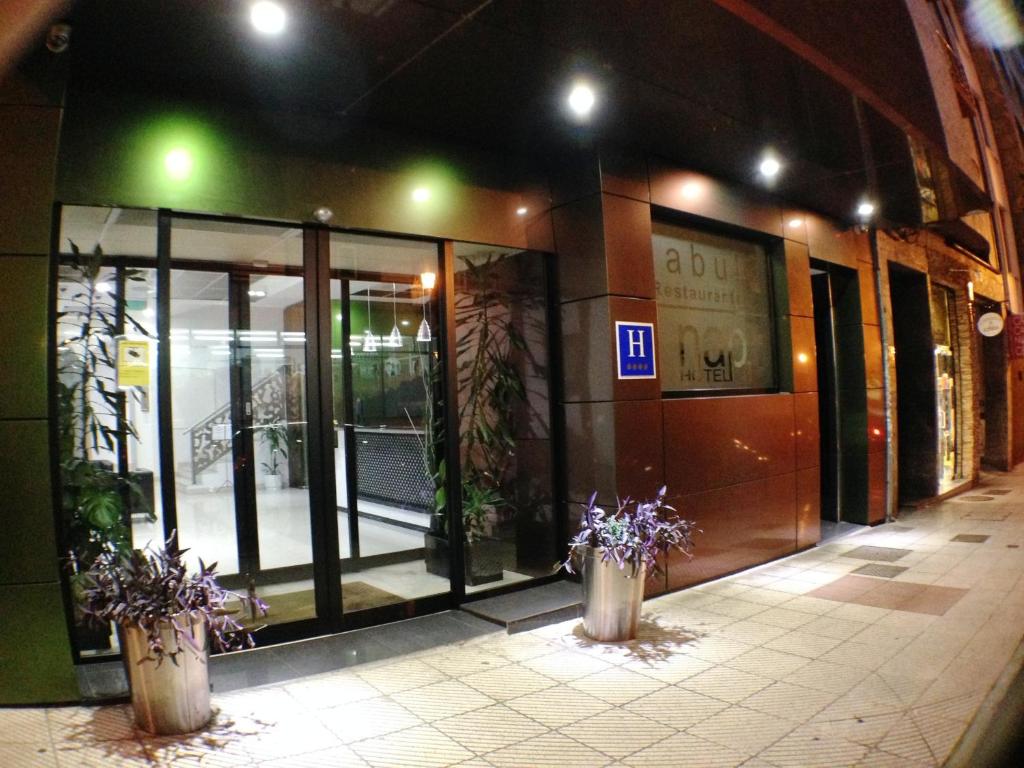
[634, 345]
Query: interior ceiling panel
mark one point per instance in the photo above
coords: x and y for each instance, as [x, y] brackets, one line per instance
[687, 81]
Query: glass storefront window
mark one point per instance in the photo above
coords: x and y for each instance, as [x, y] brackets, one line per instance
[947, 391]
[715, 324]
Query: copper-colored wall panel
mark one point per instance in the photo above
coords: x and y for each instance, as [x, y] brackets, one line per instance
[794, 224]
[868, 301]
[742, 525]
[586, 330]
[28, 144]
[808, 507]
[639, 470]
[580, 242]
[704, 196]
[872, 357]
[805, 366]
[719, 441]
[828, 243]
[625, 174]
[627, 247]
[635, 310]
[798, 279]
[876, 488]
[876, 420]
[590, 451]
[806, 434]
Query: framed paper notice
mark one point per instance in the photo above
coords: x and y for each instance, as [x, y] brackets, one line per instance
[132, 363]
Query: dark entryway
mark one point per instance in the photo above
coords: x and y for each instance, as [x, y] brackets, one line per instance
[917, 426]
[995, 452]
[842, 402]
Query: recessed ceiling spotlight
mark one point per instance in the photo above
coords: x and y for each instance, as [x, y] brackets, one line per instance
[522, 210]
[691, 190]
[178, 164]
[582, 99]
[257, 294]
[770, 167]
[103, 287]
[420, 195]
[794, 223]
[865, 209]
[268, 18]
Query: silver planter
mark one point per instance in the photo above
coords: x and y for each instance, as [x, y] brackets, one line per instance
[170, 697]
[611, 598]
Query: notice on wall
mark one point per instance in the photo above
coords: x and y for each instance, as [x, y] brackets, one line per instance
[132, 363]
[715, 328]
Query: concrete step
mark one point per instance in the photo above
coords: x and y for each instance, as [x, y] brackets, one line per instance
[531, 608]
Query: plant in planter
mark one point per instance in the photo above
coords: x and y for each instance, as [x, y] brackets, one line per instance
[165, 614]
[95, 498]
[619, 550]
[275, 436]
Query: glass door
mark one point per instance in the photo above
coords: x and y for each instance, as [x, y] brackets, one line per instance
[387, 401]
[238, 403]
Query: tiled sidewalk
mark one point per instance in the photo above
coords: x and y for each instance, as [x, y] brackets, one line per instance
[799, 663]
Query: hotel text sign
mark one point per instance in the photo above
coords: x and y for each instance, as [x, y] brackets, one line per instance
[634, 346]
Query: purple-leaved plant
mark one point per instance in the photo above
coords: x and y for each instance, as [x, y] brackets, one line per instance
[152, 587]
[634, 535]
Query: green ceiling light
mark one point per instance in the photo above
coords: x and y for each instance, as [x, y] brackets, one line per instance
[178, 163]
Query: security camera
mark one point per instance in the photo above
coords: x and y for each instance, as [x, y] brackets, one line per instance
[58, 38]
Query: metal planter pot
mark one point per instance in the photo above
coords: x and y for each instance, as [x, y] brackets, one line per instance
[611, 599]
[170, 698]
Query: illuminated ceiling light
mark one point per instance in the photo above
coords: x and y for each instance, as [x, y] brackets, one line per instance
[770, 167]
[420, 195]
[338, 316]
[428, 280]
[865, 209]
[404, 322]
[802, 357]
[103, 287]
[268, 18]
[691, 190]
[796, 223]
[423, 334]
[522, 210]
[581, 99]
[257, 294]
[178, 164]
[149, 312]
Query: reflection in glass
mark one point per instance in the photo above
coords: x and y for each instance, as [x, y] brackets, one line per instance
[504, 415]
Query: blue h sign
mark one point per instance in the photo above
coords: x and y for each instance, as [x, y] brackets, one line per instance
[634, 346]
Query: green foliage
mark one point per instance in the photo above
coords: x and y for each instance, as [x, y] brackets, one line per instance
[274, 435]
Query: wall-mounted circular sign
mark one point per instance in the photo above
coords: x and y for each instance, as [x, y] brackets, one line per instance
[990, 324]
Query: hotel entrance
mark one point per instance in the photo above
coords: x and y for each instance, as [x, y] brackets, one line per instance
[292, 423]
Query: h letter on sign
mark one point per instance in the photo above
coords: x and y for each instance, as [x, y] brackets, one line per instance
[634, 350]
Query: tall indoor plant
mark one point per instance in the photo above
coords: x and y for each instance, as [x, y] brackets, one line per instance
[168, 620]
[618, 551]
[274, 435]
[95, 497]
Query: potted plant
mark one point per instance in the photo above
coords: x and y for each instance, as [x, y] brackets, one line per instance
[619, 550]
[95, 498]
[275, 436]
[167, 620]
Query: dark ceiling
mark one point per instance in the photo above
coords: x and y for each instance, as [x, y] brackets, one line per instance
[682, 79]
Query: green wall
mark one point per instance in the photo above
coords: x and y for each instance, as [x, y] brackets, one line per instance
[35, 653]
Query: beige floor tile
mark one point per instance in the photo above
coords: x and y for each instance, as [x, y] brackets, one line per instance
[618, 733]
[558, 706]
[742, 729]
[793, 586]
[810, 747]
[670, 668]
[108, 754]
[92, 724]
[508, 682]
[335, 757]
[855, 654]
[805, 604]
[751, 631]
[826, 676]
[420, 747]
[905, 740]
[802, 643]
[876, 758]
[832, 626]
[517, 647]
[401, 676]
[734, 607]
[28, 754]
[940, 734]
[765, 596]
[863, 729]
[464, 661]
[868, 614]
[726, 684]
[791, 702]
[565, 665]
[552, 750]
[676, 707]
[686, 749]
[485, 730]
[617, 686]
[24, 726]
[365, 719]
[717, 649]
[784, 618]
[330, 691]
[768, 663]
[440, 700]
